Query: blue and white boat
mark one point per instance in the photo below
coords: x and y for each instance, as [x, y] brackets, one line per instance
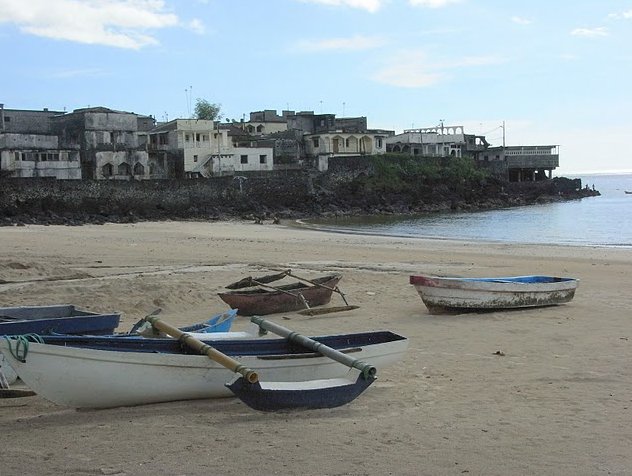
[110, 371]
[443, 295]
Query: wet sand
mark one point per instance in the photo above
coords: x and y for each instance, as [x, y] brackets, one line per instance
[557, 402]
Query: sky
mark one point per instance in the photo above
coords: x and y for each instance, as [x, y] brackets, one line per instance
[553, 72]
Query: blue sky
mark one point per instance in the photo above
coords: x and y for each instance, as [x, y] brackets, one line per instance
[554, 72]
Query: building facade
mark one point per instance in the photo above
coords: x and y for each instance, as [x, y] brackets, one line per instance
[522, 163]
[440, 141]
[28, 148]
[207, 148]
[109, 143]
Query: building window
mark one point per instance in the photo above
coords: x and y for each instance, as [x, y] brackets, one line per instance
[378, 142]
[244, 159]
[197, 137]
[43, 157]
[124, 169]
[263, 158]
[315, 141]
[17, 156]
[139, 169]
[195, 157]
[186, 137]
[347, 143]
[7, 119]
[107, 170]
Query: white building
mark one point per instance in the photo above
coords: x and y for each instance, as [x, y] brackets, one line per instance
[206, 150]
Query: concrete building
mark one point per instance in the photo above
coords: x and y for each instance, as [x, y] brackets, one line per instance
[309, 123]
[207, 148]
[522, 163]
[339, 143]
[266, 122]
[440, 141]
[108, 142]
[28, 148]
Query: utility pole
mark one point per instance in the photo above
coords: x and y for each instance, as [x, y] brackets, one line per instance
[219, 153]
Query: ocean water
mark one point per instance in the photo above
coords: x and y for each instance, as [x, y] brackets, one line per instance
[605, 220]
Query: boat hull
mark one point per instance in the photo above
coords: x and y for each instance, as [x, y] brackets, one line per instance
[452, 295]
[58, 319]
[81, 373]
[262, 302]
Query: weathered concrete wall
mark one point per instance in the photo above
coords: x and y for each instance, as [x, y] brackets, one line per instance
[154, 199]
[28, 141]
[27, 122]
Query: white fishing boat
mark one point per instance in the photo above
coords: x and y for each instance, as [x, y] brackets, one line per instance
[101, 372]
[450, 295]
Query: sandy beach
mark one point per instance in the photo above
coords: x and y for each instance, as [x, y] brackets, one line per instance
[558, 401]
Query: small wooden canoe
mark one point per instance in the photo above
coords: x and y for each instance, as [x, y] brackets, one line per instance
[452, 295]
[283, 298]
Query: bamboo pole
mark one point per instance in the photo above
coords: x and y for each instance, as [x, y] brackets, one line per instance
[204, 349]
[368, 371]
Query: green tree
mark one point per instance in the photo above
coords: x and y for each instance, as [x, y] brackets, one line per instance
[206, 110]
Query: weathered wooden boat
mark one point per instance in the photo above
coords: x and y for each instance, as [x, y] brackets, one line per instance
[101, 372]
[282, 298]
[61, 319]
[452, 295]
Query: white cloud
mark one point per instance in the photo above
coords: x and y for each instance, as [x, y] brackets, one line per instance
[197, 26]
[433, 3]
[355, 43]
[412, 69]
[368, 5]
[119, 23]
[621, 16]
[75, 73]
[590, 32]
[521, 21]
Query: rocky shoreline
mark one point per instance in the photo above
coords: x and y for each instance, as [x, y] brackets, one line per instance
[323, 200]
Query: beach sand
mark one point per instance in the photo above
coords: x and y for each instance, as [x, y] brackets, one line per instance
[558, 401]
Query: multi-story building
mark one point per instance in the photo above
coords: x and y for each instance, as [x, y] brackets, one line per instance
[109, 143]
[522, 163]
[266, 122]
[28, 148]
[207, 148]
[440, 141]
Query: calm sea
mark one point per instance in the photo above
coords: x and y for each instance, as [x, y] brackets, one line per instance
[596, 221]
